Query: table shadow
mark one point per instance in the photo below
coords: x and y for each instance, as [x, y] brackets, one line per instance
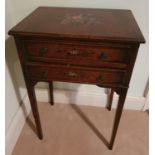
[90, 124]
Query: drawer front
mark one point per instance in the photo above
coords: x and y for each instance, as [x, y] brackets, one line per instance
[76, 54]
[74, 74]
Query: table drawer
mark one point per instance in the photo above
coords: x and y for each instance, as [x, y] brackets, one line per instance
[75, 74]
[79, 54]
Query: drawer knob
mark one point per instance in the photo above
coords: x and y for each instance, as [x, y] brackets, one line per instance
[103, 56]
[73, 52]
[72, 74]
[45, 74]
[101, 78]
[43, 50]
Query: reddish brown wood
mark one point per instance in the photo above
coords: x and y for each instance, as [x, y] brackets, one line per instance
[94, 46]
[30, 89]
[118, 114]
[33, 102]
[100, 24]
[51, 93]
[75, 74]
[110, 99]
[76, 52]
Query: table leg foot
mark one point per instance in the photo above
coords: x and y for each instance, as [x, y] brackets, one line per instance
[110, 147]
[40, 136]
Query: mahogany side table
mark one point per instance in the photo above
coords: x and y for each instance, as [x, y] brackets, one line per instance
[87, 46]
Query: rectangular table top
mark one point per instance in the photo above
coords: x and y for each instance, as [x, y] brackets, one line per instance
[100, 24]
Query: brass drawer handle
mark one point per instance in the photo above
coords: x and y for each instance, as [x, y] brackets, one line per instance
[103, 56]
[73, 52]
[100, 78]
[43, 50]
[45, 73]
[72, 74]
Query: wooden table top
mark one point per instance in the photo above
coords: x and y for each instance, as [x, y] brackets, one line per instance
[98, 24]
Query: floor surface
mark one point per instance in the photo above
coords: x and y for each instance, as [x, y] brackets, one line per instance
[83, 130]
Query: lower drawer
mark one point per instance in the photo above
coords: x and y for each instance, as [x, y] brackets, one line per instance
[75, 74]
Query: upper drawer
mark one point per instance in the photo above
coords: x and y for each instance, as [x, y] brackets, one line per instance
[76, 54]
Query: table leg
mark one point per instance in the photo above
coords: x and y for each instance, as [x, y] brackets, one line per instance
[118, 114]
[34, 107]
[110, 99]
[51, 93]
